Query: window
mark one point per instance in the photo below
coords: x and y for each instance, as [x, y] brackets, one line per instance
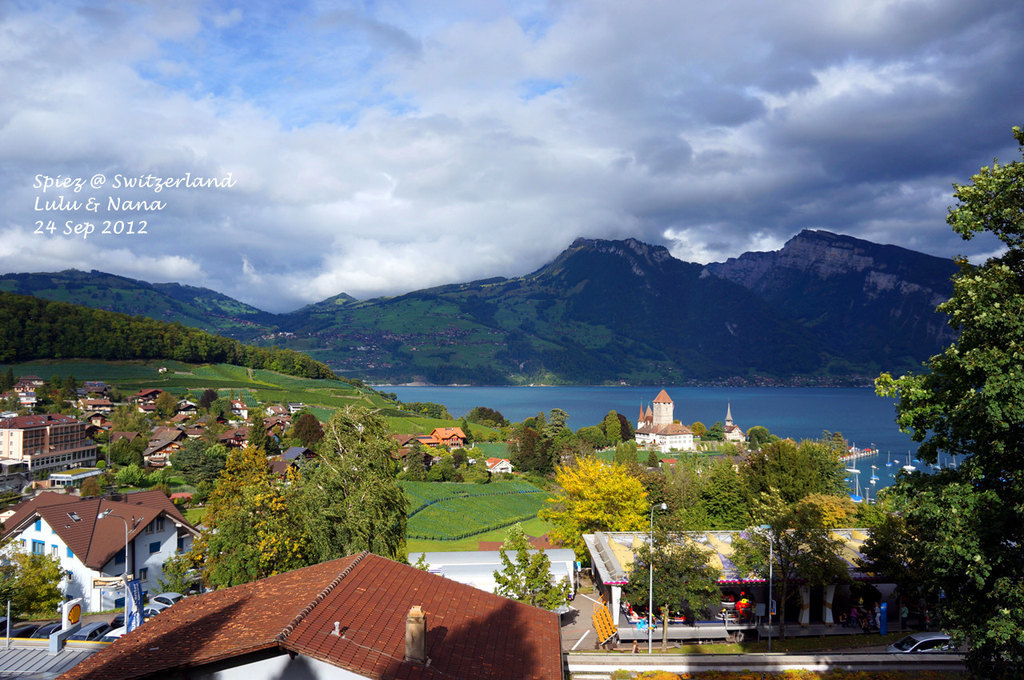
[154, 547]
[53, 550]
[119, 557]
[70, 553]
[39, 525]
[143, 573]
[149, 528]
[38, 548]
[159, 523]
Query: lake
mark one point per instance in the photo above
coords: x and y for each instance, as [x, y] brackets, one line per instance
[866, 420]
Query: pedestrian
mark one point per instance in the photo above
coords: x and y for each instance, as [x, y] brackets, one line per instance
[904, 614]
[878, 616]
[636, 646]
[853, 616]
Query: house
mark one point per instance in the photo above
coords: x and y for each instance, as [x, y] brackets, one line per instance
[452, 437]
[186, 407]
[297, 453]
[104, 406]
[91, 548]
[276, 410]
[237, 437]
[42, 444]
[240, 409]
[96, 387]
[295, 406]
[146, 397]
[130, 436]
[361, 616]
[496, 465]
[164, 442]
[658, 430]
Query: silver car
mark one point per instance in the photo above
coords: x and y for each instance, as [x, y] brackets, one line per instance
[917, 643]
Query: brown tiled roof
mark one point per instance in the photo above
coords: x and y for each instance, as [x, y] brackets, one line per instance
[663, 398]
[42, 420]
[470, 633]
[94, 541]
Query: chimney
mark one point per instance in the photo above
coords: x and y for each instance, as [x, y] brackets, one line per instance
[416, 635]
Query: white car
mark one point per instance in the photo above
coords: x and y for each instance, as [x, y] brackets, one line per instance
[164, 600]
[114, 634]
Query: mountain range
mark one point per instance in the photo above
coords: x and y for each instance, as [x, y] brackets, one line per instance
[826, 308]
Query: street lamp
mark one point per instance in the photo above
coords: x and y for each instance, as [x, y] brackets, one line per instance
[124, 577]
[771, 567]
[650, 582]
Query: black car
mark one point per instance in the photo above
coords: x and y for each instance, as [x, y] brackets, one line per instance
[117, 621]
[44, 631]
[23, 630]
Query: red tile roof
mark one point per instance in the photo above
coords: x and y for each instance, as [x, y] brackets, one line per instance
[470, 633]
[663, 398]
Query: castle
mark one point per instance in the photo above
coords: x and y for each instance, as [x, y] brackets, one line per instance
[656, 428]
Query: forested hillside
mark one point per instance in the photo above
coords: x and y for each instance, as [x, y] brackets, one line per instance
[33, 328]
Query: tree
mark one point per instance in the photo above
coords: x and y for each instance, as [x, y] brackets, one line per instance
[308, 430]
[715, 433]
[793, 470]
[166, 405]
[208, 397]
[131, 475]
[528, 578]
[466, 430]
[35, 584]
[178, 575]
[653, 460]
[348, 496]
[684, 581]
[802, 549]
[612, 430]
[969, 530]
[258, 437]
[251, 532]
[758, 436]
[699, 429]
[595, 497]
[722, 497]
[90, 488]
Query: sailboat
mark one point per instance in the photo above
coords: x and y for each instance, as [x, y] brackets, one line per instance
[855, 496]
[908, 467]
[874, 477]
[888, 459]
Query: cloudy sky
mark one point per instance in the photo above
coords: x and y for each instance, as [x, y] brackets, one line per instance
[379, 147]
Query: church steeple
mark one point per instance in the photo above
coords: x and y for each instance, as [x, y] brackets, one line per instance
[728, 414]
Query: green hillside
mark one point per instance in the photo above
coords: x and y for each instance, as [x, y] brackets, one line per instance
[451, 512]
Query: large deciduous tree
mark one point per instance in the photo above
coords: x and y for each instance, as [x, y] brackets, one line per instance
[969, 528]
[684, 581]
[595, 496]
[798, 541]
[348, 497]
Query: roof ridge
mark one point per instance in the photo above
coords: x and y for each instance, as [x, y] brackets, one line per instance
[280, 637]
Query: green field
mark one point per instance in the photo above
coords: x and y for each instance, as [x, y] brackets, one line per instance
[533, 527]
[453, 512]
[251, 385]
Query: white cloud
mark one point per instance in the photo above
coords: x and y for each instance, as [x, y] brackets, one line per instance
[386, 149]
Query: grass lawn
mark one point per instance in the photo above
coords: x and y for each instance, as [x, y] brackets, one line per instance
[195, 515]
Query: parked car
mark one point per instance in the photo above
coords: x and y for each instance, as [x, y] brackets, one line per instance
[117, 621]
[114, 634]
[44, 631]
[91, 631]
[165, 599]
[23, 630]
[149, 612]
[917, 643]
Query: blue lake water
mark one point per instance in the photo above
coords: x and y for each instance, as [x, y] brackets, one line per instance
[865, 419]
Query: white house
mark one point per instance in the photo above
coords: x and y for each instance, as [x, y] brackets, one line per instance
[88, 537]
[496, 465]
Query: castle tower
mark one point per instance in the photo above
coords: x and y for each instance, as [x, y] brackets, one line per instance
[663, 408]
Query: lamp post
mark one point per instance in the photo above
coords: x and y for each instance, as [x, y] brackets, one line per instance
[124, 577]
[771, 567]
[650, 583]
